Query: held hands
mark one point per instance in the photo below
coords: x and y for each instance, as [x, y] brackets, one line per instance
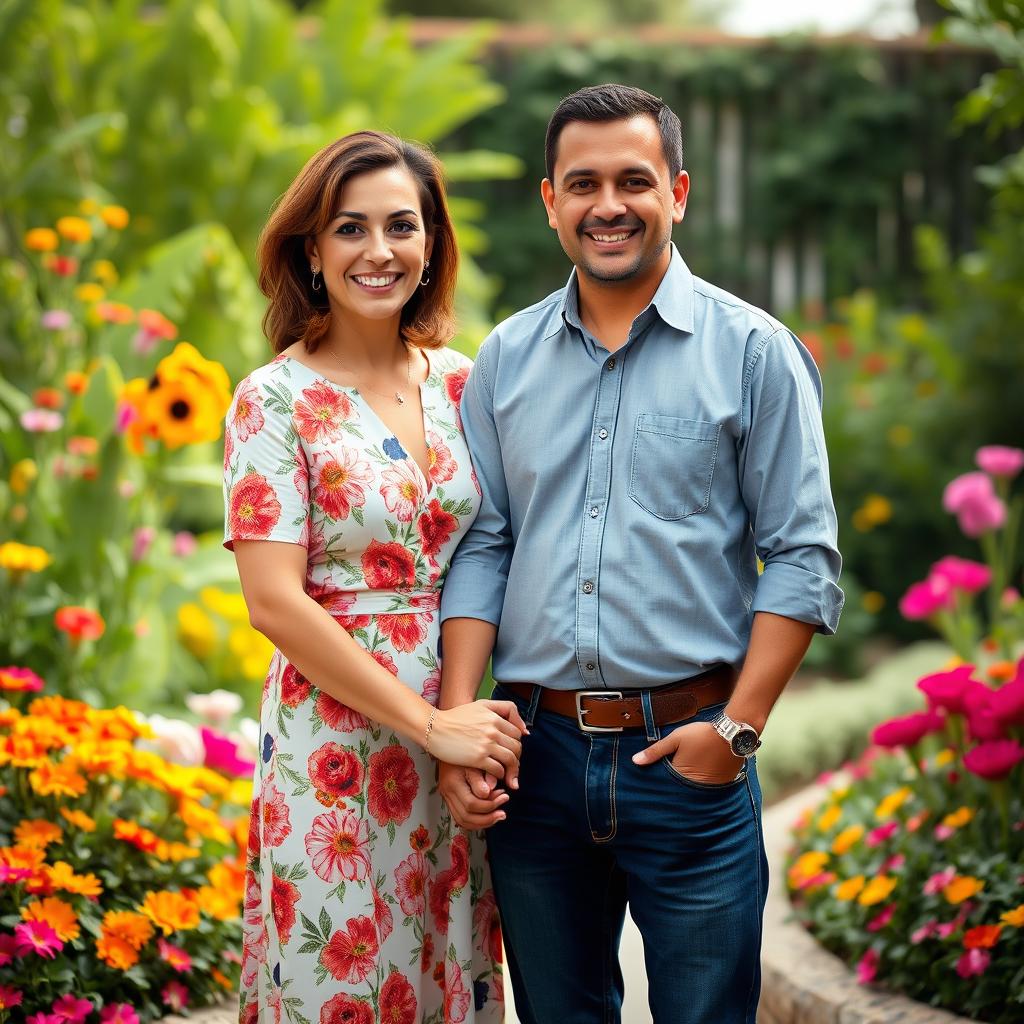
[472, 796]
[484, 735]
[697, 752]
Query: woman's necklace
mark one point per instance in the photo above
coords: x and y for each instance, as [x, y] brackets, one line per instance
[398, 396]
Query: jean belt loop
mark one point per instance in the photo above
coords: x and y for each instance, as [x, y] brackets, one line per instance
[653, 733]
[531, 711]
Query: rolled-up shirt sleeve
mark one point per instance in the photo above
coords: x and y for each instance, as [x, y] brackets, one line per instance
[475, 585]
[784, 481]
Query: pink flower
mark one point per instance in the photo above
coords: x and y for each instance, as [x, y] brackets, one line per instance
[125, 416]
[338, 845]
[22, 680]
[174, 995]
[71, 1009]
[948, 689]
[925, 599]
[893, 863]
[217, 707]
[908, 730]
[943, 832]
[184, 544]
[926, 931]
[142, 540]
[221, 754]
[883, 833]
[277, 825]
[1008, 701]
[56, 320]
[41, 421]
[36, 937]
[879, 921]
[174, 955]
[982, 720]
[972, 498]
[456, 995]
[400, 488]
[973, 962]
[7, 944]
[994, 759]
[962, 573]
[9, 997]
[867, 968]
[118, 1013]
[43, 1018]
[999, 460]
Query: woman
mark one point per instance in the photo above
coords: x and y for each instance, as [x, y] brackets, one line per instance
[348, 486]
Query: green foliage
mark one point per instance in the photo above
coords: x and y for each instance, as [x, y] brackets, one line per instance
[605, 13]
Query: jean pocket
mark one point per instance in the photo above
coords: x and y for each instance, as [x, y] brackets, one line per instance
[673, 465]
[707, 714]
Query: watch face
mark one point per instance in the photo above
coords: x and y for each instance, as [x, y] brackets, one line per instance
[744, 743]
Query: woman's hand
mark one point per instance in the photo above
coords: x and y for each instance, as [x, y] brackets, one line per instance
[484, 734]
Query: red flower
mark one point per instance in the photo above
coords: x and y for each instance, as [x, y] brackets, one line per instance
[397, 1000]
[344, 1009]
[283, 897]
[460, 860]
[276, 823]
[974, 961]
[341, 482]
[420, 839]
[456, 995]
[350, 955]
[487, 926]
[435, 526]
[337, 715]
[994, 760]
[388, 566]
[320, 412]
[338, 844]
[393, 784]
[406, 631]
[411, 885]
[441, 467]
[440, 898]
[295, 687]
[253, 508]
[1008, 701]
[984, 936]
[247, 417]
[79, 623]
[335, 771]
[455, 384]
[382, 916]
[906, 731]
[385, 661]
[426, 953]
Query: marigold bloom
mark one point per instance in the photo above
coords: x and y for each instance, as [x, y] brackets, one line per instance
[23, 474]
[79, 623]
[846, 839]
[891, 803]
[60, 916]
[806, 866]
[62, 876]
[170, 911]
[220, 905]
[41, 239]
[90, 292]
[828, 818]
[984, 936]
[958, 818]
[963, 887]
[116, 953]
[1014, 918]
[877, 890]
[19, 558]
[114, 312]
[60, 779]
[115, 217]
[105, 272]
[37, 833]
[850, 889]
[79, 819]
[76, 382]
[74, 229]
[131, 928]
[16, 679]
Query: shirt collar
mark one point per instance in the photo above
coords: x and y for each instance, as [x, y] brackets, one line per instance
[673, 299]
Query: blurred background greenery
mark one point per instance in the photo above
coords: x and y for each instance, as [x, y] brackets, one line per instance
[868, 192]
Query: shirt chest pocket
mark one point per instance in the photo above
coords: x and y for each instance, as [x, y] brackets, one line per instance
[673, 464]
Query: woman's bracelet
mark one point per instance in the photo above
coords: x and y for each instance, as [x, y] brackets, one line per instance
[430, 727]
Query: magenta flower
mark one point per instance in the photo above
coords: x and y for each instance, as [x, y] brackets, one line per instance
[174, 995]
[882, 834]
[43, 1018]
[894, 863]
[184, 543]
[923, 600]
[9, 874]
[973, 962]
[983, 722]
[221, 754]
[9, 997]
[949, 689]
[962, 573]
[23, 680]
[879, 921]
[972, 498]
[36, 937]
[41, 421]
[126, 415]
[7, 953]
[118, 1013]
[995, 759]
[71, 1009]
[939, 881]
[926, 931]
[867, 968]
[1008, 701]
[56, 320]
[142, 540]
[999, 460]
[908, 730]
[1011, 595]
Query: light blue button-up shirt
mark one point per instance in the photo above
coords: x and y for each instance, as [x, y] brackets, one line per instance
[628, 495]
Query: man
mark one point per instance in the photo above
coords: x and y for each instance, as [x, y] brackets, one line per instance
[640, 437]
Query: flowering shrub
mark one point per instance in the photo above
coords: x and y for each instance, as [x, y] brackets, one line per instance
[121, 874]
[913, 868]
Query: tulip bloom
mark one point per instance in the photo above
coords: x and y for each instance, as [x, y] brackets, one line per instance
[949, 690]
[908, 730]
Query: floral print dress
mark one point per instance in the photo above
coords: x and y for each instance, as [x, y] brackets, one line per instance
[364, 901]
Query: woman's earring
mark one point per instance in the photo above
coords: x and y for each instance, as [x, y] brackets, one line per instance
[425, 279]
[314, 284]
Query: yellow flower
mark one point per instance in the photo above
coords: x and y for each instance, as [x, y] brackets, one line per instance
[875, 510]
[19, 558]
[963, 887]
[184, 411]
[37, 833]
[252, 649]
[877, 890]
[944, 757]
[87, 207]
[41, 240]
[170, 911]
[842, 842]
[888, 806]
[839, 794]
[806, 866]
[115, 217]
[872, 602]
[90, 292]
[229, 606]
[913, 327]
[850, 889]
[827, 819]
[23, 473]
[196, 630]
[105, 272]
[900, 435]
[74, 229]
[221, 905]
[60, 916]
[958, 818]
[1014, 918]
[79, 819]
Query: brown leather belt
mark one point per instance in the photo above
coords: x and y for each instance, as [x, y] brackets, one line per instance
[615, 710]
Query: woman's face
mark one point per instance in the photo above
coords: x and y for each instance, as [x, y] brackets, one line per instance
[372, 253]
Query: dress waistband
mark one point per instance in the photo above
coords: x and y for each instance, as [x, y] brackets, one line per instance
[380, 602]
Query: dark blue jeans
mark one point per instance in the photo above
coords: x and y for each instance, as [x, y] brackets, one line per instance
[589, 831]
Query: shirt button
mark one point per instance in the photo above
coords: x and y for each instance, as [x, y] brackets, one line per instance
[603, 434]
[594, 512]
[611, 363]
[591, 666]
[588, 587]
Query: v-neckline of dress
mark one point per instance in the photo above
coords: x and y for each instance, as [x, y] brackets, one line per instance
[424, 477]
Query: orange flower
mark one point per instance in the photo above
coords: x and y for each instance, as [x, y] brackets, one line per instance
[846, 839]
[963, 887]
[62, 876]
[74, 229]
[115, 217]
[877, 890]
[116, 953]
[22, 858]
[958, 818]
[79, 623]
[76, 382]
[51, 779]
[41, 240]
[220, 905]
[170, 911]
[71, 713]
[82, 444]
[37, 833]
[114, 312]
[1014, 918]
[79, 819]
[985, 936]
[221, 978]
[60, 916]
[156, 325]
[127, 926]
[21, 752]
[228, 876]
[1000, 671]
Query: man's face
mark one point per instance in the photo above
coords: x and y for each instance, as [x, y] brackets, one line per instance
[611, 200]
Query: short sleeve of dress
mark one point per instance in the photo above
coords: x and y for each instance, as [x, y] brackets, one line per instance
[266, 476]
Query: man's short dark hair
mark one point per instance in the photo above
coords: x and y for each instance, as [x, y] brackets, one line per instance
[599, 103]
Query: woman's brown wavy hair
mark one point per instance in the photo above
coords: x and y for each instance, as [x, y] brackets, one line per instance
[296, 312]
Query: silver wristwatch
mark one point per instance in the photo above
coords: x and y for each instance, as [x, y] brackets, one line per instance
[742, 738]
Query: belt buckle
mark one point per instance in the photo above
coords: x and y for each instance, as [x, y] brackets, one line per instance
[599, 695]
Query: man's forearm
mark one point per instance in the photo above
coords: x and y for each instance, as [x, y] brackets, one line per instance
[777, 646]
[466, 645]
